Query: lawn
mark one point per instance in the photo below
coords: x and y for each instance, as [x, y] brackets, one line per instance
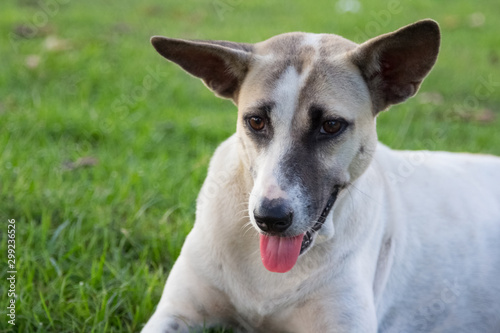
[104, 145]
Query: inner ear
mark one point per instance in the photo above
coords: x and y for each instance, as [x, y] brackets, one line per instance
[395, 64]
[221, 65]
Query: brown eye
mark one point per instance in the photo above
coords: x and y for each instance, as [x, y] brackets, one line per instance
[257, 123]
[332, 127]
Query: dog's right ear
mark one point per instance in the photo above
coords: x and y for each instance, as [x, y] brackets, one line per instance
[221, 65]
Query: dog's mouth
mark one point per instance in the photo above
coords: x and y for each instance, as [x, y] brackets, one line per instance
[279, 254]
[308, 236]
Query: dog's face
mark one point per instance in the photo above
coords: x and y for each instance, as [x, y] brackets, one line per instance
[306, 117]
[306, 128]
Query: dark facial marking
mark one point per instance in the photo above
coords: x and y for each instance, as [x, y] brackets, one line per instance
[316, 117]
[301, 167]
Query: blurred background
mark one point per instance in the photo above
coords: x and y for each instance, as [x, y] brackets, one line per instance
[104, 145]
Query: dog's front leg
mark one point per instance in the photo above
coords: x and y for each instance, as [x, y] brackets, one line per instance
[343, 310]
[343, 321]
[188, 303]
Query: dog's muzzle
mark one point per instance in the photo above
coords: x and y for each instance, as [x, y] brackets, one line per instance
[279, 253]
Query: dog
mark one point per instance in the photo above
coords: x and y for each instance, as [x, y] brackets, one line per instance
[305, 223]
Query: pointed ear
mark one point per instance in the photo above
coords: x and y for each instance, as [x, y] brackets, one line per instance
[395, 64]
[221, 65]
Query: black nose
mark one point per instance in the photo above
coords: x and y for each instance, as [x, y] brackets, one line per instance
[273, 216]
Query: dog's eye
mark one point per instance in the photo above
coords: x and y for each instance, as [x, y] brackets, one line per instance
[257, 123]
[332, 127]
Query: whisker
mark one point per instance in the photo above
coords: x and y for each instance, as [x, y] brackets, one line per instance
[242, 211]
[246, 224]
[249, 228]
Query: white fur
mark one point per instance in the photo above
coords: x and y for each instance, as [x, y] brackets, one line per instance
[411, 245]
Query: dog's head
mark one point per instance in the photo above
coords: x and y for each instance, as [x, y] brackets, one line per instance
[307, 105]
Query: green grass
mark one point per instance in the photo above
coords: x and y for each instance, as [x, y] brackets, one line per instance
[95, 243]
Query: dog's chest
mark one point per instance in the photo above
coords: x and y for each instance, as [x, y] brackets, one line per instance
[265, 304]
[266, 315]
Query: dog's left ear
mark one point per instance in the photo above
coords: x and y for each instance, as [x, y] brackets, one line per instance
[395, 64]
[221, 65]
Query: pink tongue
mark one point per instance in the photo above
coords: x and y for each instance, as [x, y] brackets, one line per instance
[279, 254]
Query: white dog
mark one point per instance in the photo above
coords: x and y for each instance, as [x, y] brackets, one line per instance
[305, 223]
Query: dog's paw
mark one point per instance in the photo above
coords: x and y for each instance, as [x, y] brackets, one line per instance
[165, 325]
